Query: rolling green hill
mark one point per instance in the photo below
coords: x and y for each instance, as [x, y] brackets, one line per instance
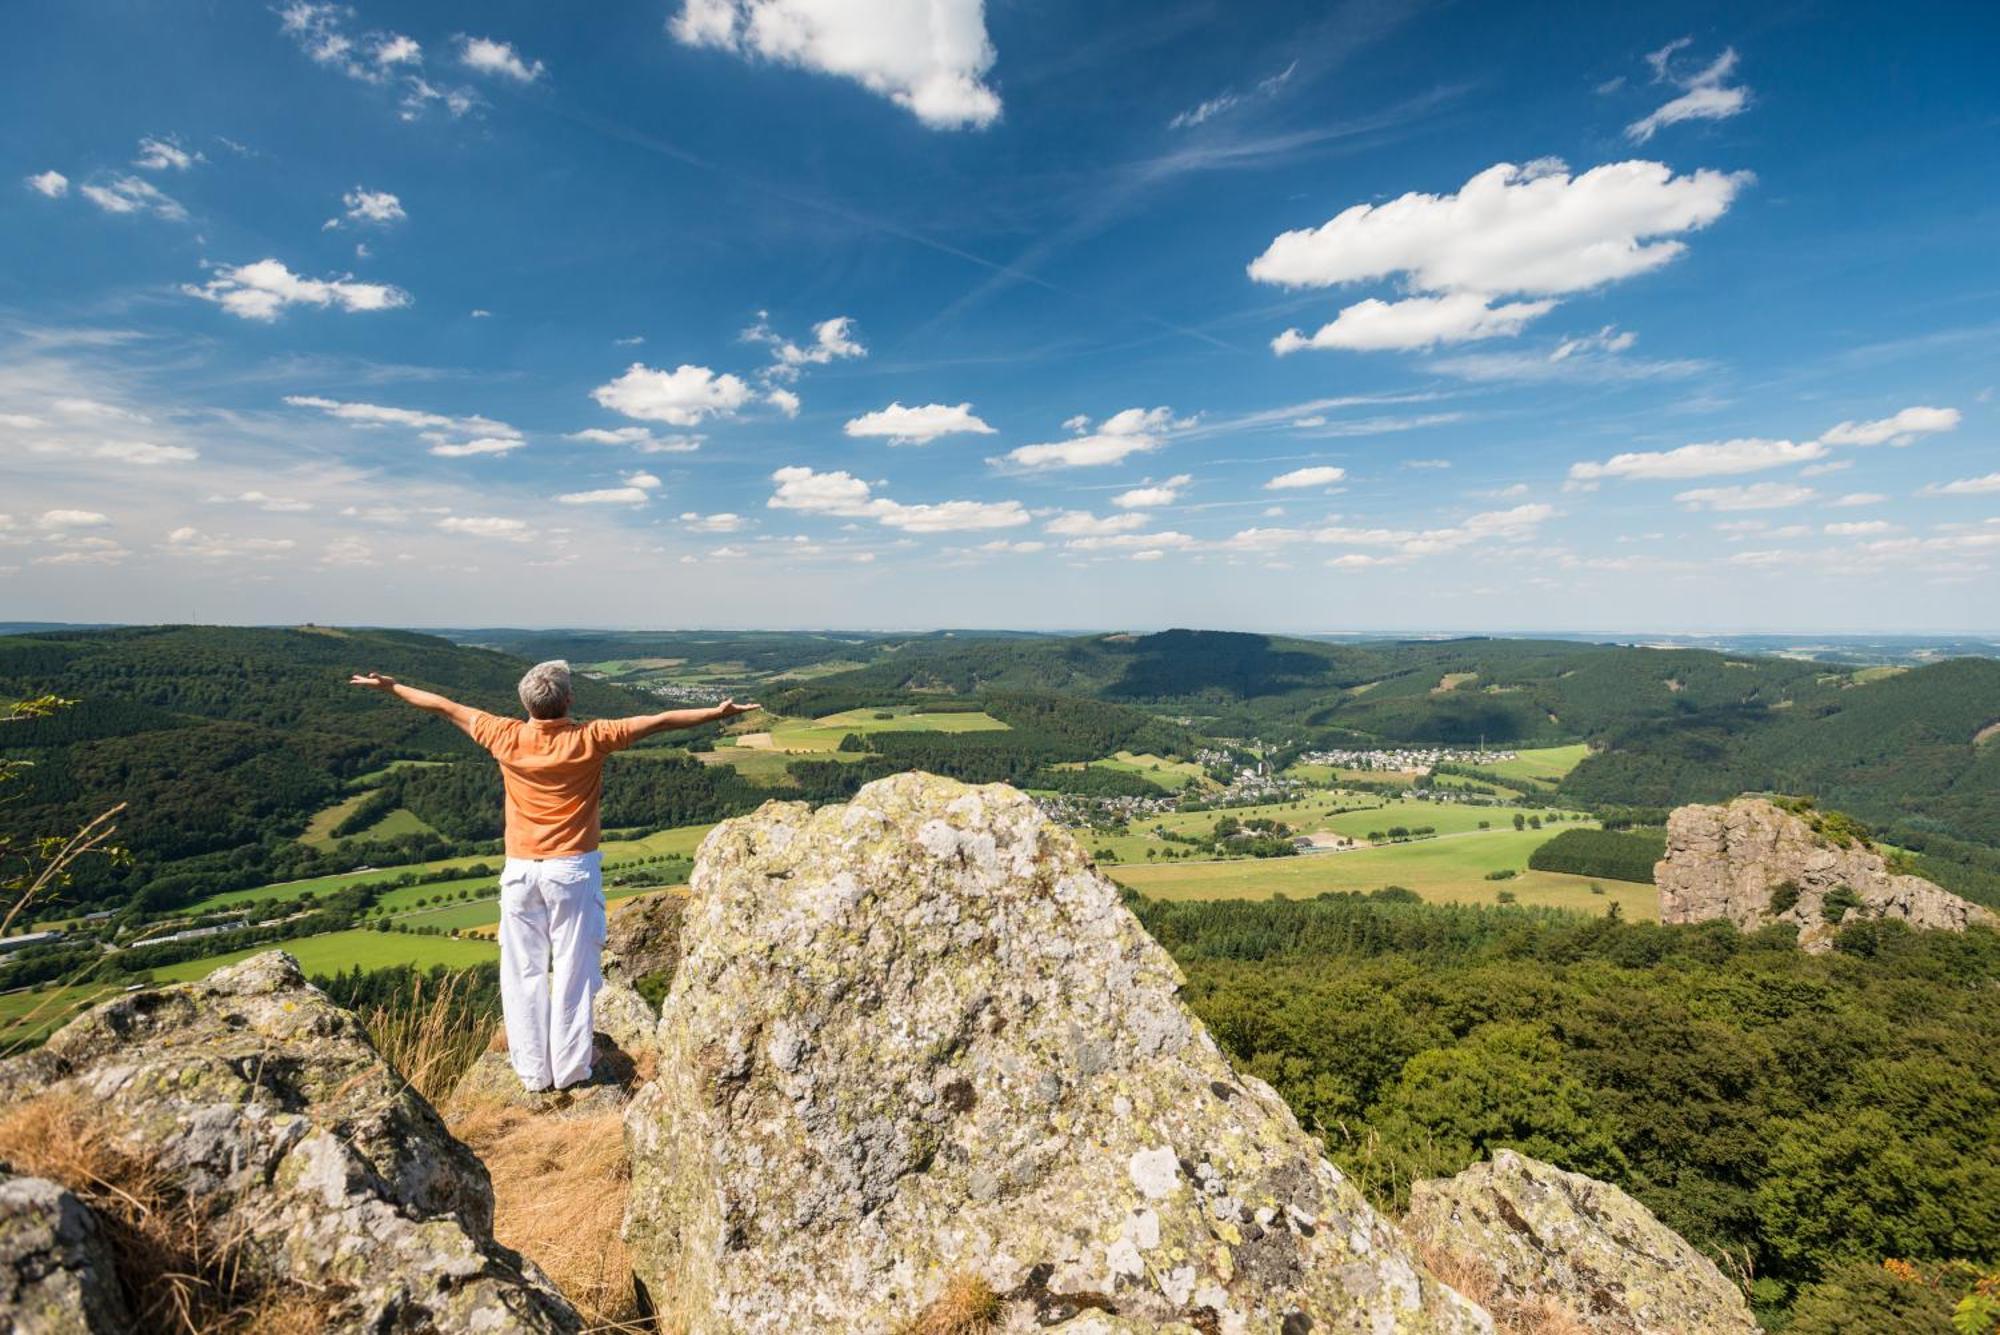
[223, 741]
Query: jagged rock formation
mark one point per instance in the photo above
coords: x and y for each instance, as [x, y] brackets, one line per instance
[268, 1107]
[1728, 861]
[917, 1038]
[1585, 1246]
[56, 1271]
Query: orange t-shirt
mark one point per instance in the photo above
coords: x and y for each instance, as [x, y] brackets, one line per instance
[553, 771]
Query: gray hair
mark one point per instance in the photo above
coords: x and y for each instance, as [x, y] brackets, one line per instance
[545, 689]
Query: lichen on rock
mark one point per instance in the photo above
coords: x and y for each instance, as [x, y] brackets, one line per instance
[57, 1275]
[1727, 862]
[267, 1107]
[1584, 1245]
[919, 1037]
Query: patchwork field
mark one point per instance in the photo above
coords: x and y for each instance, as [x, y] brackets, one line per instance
[819, 735]
[1451, 869]
[1544, 764]
[1172, 775]
[337, 952]
[680, 841]
[1316, 813]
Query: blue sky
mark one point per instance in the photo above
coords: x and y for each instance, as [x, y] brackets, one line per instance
[893, 314]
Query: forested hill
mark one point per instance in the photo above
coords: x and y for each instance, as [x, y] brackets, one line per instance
[1666, 725]
[218, 738]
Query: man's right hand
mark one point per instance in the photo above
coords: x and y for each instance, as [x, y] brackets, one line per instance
[374, 681]
[730, 709]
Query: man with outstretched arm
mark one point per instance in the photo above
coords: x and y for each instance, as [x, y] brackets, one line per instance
[552, 887]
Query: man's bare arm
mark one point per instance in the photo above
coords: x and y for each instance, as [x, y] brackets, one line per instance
[428, 701]
[674, 719]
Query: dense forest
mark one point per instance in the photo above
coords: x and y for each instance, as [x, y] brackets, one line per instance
[221, 741]
[1796, 1116]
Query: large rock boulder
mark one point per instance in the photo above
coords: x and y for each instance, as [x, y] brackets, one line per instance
[917, 1040]
[266, 1107]
[643, 938]
[57, 1275]
[1584, 1246]
[1752, 862]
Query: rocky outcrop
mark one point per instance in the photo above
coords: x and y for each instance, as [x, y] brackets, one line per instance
[918, 1039]
[1752, 862]
[1584, 1246]
[57, 1275]
[264, 1105]
[643, 938]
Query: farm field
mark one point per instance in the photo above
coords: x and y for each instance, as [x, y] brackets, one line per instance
[319, 830]
[766, 768]
[680, 840]
[474, 913]
[1339, 774]
[1172, 775]
[337, 952]
[824, 734]
[51, 1010]
[1315, 813]
[1448, 870]
[1547, 764]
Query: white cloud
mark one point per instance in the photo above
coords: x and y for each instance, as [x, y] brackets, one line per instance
[1132, 431]
[377, 208]
[1203, 112]
[262, 290]
[1415, 322]
[223, 547]
[1082, 523]
[723, 522]
[158, 154]
[1901, 429]
[466, 449]
[1859, 528]
[486, 56]
[928, 56]
[133, 194]
[1025, 548]
[1132, 542]
[51, 183]
[448, 437]
[607, 496]
[68, 519]
[264, 501]
[1965, 486]
[639, 438]
[378, 58]
[1319, 475]
[1708, 94]
[844, 495]
[1531, 230]
[1152, 495]
[1754, 496]
[918, 425]
[1855, 499]
[1429, 464]
[784, 401]
[833, 340]
[144, 453]
[681, 397]
[486, 526]
[347, 552]
[1710, 459]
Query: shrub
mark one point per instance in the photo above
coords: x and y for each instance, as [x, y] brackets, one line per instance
[1783, 896]
[1838, 901]
[1504, 874]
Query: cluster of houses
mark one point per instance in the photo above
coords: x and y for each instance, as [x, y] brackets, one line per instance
[1405, 759]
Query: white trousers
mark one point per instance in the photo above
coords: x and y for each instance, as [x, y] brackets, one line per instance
[551, 965]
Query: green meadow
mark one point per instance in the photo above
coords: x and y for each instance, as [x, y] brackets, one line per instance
[1450, 869]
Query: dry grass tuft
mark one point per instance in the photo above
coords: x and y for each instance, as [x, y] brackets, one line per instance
[1476, 1280]
[968, 1306]
[433, 1035]
[179, 1264]
[559, 1189]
